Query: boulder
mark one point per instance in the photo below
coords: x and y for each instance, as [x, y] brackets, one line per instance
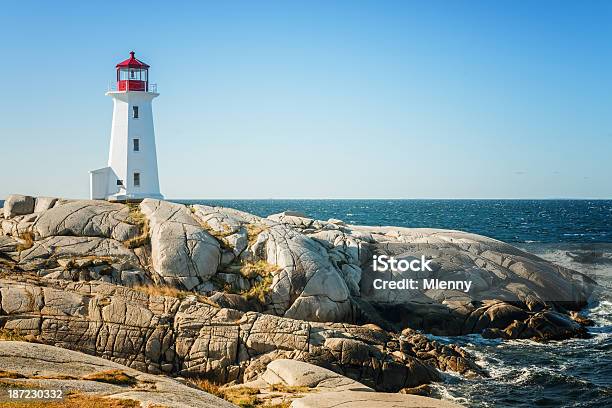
[17, 204]
[44, 203]
[86, 218]
[547, 325]
[183, 252]
[300, 374]
[309, 286]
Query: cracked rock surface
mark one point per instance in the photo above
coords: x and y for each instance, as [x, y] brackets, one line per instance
[182, 251]
[39, 366]
[321, 270]
[160, 334]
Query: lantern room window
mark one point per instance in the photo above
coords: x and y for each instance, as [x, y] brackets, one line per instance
[132, 74]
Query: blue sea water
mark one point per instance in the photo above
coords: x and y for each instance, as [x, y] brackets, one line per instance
[547, 221]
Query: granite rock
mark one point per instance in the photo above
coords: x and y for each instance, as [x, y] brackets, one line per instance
[40, 366]
[17, 204]
[183, 252]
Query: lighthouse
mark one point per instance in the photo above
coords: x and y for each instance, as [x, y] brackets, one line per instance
[131, 174]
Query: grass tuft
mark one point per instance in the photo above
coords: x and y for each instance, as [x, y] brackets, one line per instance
[220, 236]
[260, 271]
[247, 397]
[12, 335]
[26, 241]
[251, 270]
[289, 389]
[259, 290]
[136, 217]
[117, 377]
[10, 374]
[253, 231]
[262, 287]
[244, 397]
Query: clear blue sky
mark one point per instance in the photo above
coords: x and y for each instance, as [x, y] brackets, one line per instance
[355, 99]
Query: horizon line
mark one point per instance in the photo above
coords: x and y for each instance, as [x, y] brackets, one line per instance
[393, 198]
[364, 198]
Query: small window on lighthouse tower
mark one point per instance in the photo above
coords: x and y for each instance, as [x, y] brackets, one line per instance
[136, 179]
[136, 145]
[135, 112]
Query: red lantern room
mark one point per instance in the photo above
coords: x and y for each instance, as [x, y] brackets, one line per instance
[132, 75]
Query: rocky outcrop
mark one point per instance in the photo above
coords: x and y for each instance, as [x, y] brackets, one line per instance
[49, 251]
[290, 298]
[183, 253]
[37, 366]
[319, 271]
[86, 219]
[547, 325]
[160, 334]
[506, 283]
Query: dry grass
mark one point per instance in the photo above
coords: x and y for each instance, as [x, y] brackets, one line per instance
[289, 389]
[136, 217]
[218, 235]
[259, 290]
[26, 241]
[54, 377]
[76, 400]
[207, 386]
[10, 374]
[262, 287]
[244, 397]
[83, 262]
[117, 377]
[261, 268]
[170, 291]
[253, 231]
[251, 270]
[247, 397]
[12, 335]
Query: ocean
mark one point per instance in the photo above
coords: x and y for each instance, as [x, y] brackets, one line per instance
[547, 221]
[572, 373]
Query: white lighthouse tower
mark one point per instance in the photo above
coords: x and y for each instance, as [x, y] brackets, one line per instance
[131, 174]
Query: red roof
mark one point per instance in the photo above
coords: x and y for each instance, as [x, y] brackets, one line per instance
[132, 62]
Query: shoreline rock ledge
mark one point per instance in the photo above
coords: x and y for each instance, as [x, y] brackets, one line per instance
[218, 293]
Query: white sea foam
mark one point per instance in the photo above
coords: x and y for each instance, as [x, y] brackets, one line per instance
[445, 394]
